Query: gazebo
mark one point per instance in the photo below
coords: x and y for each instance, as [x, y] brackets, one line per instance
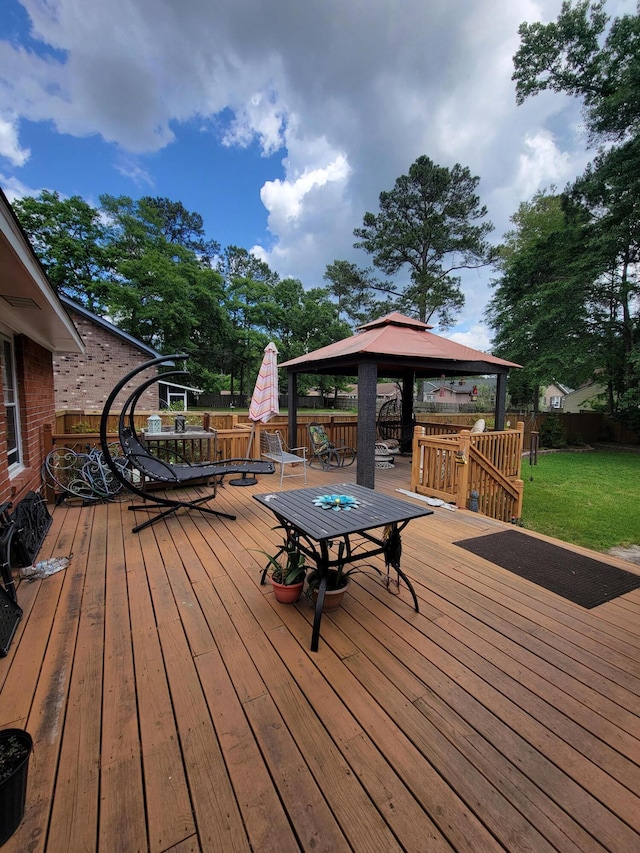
[392, 346]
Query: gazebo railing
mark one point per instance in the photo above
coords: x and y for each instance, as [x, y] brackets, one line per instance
[458, 466]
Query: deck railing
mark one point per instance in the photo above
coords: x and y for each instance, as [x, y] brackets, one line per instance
[458, 466]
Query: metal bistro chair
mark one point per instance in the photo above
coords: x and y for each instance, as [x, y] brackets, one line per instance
[273, 449]
[326, 454]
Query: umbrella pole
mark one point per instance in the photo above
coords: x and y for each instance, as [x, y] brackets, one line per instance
[247, 479]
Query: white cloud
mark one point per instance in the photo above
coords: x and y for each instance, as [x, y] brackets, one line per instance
[9, 145]
[542, 163]
[14, 189]
[351, 93]
[285, 200]
[477, 337]
[131, 169]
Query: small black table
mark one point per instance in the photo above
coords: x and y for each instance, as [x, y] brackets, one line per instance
[316, 531]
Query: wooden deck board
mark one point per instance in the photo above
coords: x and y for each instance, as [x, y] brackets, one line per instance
[176, 706]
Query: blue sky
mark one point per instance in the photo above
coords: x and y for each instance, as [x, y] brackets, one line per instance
[280, 121]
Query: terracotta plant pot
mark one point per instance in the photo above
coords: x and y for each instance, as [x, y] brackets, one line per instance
[287, 593]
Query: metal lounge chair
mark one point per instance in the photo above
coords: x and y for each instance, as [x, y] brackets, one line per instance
[152, 468]
[326, 454]
[273, 449]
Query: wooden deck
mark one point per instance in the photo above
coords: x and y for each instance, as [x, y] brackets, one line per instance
[174, 705]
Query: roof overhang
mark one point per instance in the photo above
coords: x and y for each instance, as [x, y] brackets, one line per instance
[108, 326]
[28, 304]
[389, 366]
[181, 387]
[398, 345]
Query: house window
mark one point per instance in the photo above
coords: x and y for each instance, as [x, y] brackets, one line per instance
[10, 392]
[556, 402]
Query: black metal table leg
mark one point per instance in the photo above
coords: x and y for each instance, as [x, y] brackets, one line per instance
[322, 588]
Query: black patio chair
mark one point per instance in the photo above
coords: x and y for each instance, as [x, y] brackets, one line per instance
[152, 468]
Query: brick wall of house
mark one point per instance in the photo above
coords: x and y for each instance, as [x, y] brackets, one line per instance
[34, 375]
[85, 381]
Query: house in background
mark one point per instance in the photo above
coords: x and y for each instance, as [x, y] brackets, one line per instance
[34, 325]
[457, 391]
[384, 391]
[552, 397]
[83, 381]
[582, 398]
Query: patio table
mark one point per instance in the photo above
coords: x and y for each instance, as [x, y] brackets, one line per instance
[325, 535]
[194, 445]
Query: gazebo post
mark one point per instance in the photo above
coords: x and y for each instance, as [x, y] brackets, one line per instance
[501, 400]
[292, 406]
[366, 457]
[406, 429]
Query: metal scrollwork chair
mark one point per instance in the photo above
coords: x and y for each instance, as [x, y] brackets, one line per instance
[326, 454]
[84, 475]
[151, 468]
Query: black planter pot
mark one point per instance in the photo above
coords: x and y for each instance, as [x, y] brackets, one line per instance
[13, 787]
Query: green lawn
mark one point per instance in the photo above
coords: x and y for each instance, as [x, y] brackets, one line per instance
[590, 499]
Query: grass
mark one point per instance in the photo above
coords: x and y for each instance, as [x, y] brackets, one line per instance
[588, 499]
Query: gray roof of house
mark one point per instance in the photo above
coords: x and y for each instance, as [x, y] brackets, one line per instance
[100, 321]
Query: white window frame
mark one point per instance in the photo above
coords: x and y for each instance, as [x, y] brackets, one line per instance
[11, 395]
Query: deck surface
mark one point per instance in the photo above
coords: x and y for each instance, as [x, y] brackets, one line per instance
[175, 706]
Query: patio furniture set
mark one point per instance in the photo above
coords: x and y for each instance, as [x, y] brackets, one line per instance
[325, 537]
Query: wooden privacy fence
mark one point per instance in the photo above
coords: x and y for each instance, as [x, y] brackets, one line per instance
[456, 463]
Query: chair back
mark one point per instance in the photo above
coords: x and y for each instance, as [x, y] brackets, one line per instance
[318, 437]
[148, 464]
[272, 443]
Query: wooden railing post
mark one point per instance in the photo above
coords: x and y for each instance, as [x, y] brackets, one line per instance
[519, 485]
[520, 428]
[416, 456]
[462, 464]
[47, 447]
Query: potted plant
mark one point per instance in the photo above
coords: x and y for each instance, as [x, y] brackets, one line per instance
[337, 584]
[15, 749]
[288, 571]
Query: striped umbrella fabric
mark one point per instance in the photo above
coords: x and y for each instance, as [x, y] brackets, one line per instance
[264, 402]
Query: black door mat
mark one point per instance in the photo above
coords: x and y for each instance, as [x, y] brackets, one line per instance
[577, 578]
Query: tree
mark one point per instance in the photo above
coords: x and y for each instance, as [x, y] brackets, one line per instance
[355, 289]
[431, 221]
[71, 243]
[163, 292]
[249, 284]
[587, 55]
[179, 226]
[571, 56]
[609, 191]
[540, 311]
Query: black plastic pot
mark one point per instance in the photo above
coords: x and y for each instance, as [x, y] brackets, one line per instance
[13, 787]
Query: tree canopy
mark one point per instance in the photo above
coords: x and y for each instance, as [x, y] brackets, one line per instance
[433, 223]
[572, 260]
[148, 265]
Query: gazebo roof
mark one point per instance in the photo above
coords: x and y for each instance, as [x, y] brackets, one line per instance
[398, 343]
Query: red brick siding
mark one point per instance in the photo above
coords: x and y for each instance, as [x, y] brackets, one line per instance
[85, 381]
[34, 374]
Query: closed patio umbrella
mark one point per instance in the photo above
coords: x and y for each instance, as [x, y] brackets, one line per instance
[264, 402]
